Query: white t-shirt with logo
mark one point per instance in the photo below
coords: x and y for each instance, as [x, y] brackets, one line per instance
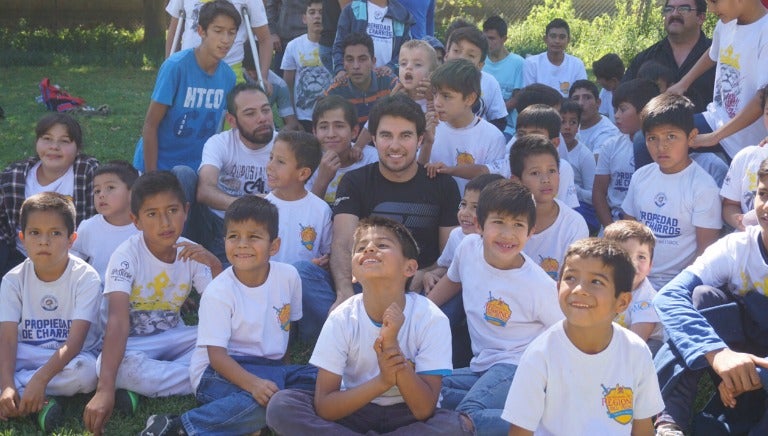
[672, 206]
[506, 309]
[370, 155]
[311, 80]
[560, 390]
[97, 240]
[156, 289]
[305, 228]
[547, 248]
[618, 161]
[381, 31]
[641, 310]
[740, 183]
[242, 171]
[247, 321]
[345, 344]
[538, 69]
[45, 310]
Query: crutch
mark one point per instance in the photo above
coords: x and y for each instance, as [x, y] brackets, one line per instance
[251, 40]
[179, 29]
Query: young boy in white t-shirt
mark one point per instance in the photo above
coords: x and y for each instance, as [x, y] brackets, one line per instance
[381, 355]
[676, 198]
[534, 163]
[638, 241]
[595, 129]
[305, 75]
[305, 219]
[608, 71]
[99, 236]
[147, 347]
[463, 142]
[334, 123]
[507, 298]
[49, 311]
[243, 333]
[581, 159]
[585, 374]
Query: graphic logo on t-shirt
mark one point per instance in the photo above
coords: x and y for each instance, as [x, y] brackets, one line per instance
[308, 236]
[121, 273]
[497, 312]
[618, 403]
[662, 226]
[660, 199]
[621, 319]
[551, 266]
[49, 303]
[728, 85]
[464, 158]
[565, 87]
[284, 316]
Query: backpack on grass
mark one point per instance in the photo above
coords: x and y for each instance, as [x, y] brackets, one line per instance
[56, 99]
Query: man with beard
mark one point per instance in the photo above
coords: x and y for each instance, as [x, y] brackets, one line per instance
[234, 163]
[683, 46]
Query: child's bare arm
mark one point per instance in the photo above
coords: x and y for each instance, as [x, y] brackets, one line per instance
[732, 214]
[518, 431]
[260, 389]
[9, 397]
[705, 238]
[642, 427]
[643, 329]
[391, 323]
[420, 392]
[34, 393]
[430, 278]
[600, 198]
[700, 67]
[99, 409]
[333, 404]
[444, 290]
[155, 113]
[198, 253]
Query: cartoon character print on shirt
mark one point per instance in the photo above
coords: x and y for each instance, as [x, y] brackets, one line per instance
[155, 306]
[464, 158]
[312, 81]
[308, 235]
[618, 402]
[284, 316]
[497, 312]
[565, 87]
[728, 87]
[551, 266]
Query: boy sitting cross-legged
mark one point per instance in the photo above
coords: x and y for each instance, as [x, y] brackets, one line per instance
[146, 345]
[48, 306]
[380, 353]
[508, 300]
[245, 320]
[585, 374]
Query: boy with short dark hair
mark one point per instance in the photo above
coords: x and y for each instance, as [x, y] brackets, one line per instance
[676, 198]
[243, 333]
[615, 165]
[146, 345]
[534, 163]
[596, 131]
[639, 242]
[505, 67]
[100, 235]
[49, 315]
[661, 75]
[386, 347]
[581, 159]
[468, 42]
[587, 358]
[190, 91]
[608, 70]
[555, 67]
[463, 141]
[305, 219]
[494, 278]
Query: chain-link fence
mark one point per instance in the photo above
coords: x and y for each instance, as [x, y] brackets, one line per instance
[516, 10]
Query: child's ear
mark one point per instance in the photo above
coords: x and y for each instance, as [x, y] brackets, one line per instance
[72, 239]
[21, 236]
[355, 131]
[411, 266]
[555, 141]
[692, 136]
[274, 246]
[136, 222]
[200, 31]
[477, 224]
[622, 302]
[231, 120]
[304, 173]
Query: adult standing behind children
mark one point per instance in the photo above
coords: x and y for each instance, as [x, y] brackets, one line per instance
[684, 45]
[555, 67]
[505, 67]
[190, 37]
[234, 163]
[188, 101]
[395, 187]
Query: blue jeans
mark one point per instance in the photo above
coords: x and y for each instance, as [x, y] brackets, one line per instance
[481, 395]
[460, 342]
[227, 410]
[317, 297]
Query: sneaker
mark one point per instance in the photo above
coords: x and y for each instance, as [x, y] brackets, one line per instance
[669, 429]
[50, 416]
[126, 401]
[163, 425]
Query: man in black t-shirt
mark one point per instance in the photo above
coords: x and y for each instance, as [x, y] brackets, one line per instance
[396, 187]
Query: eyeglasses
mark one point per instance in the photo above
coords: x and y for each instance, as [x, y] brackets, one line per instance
[682, 10]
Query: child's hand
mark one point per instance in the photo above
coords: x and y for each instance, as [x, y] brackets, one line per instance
[390, 326]
[398, 88]
[429, 131]
[262, 390]
[434, 168]
[424, 90]
[329, 164]
[34, 396]
[199, 254]
[383, 71]
[391, 360]
[429, 281]
[322, 261]
[341, 77]
[727, 396]
[677, 88]
[9, 400]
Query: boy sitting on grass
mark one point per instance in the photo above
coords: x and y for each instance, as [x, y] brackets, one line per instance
[386, 347]
[586, 359]
[243, 334]
[48, 305]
